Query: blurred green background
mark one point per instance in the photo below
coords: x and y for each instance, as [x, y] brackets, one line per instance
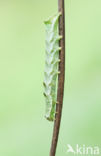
[23, 129]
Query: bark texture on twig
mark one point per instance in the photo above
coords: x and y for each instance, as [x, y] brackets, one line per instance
[61, 78]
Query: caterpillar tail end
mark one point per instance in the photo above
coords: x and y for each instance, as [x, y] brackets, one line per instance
[50, 118]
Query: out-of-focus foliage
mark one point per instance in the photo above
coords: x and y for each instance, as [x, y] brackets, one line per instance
[23, 128]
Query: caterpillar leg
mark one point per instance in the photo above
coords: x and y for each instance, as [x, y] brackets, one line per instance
[57, 102]
[56, 112]
[58, 72]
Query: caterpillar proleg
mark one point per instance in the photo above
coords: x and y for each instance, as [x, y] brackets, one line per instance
[51, 65]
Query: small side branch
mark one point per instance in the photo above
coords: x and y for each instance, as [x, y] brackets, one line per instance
[61, 78]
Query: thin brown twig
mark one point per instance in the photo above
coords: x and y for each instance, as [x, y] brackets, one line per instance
[61, 78]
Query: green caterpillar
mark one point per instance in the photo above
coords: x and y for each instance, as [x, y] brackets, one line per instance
[51, 65]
